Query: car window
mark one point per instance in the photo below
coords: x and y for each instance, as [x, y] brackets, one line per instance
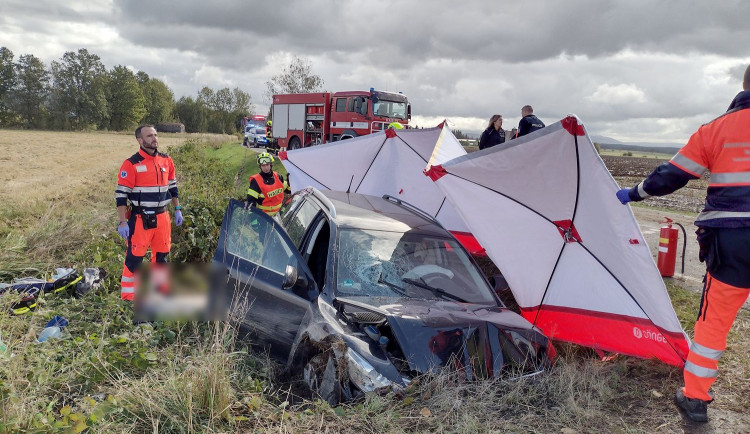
[256, 240]
[298, 223]
[379, 263]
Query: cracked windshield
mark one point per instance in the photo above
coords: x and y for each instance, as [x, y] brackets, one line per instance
[393, 264]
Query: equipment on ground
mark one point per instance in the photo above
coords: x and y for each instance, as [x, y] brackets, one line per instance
[665, 260]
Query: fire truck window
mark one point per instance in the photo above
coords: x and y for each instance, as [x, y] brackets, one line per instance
[340, 104]
[352, 103]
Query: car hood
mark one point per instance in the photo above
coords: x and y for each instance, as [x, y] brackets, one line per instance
[483, 341]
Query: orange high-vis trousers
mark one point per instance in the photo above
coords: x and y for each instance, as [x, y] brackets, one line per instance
[159, 239]
[719, 308]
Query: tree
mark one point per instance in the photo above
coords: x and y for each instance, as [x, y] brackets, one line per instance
[192, 113]
[459, 134]
[31, 90]
[224, 107]
[79, 86]
[297, 77]
[7, 81]
[124, 99]
[159, 101]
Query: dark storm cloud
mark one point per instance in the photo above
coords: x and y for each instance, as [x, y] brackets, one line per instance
[400, 33]
[628, 67]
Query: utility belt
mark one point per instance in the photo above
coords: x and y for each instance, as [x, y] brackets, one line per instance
[141, 210]
[148, 215]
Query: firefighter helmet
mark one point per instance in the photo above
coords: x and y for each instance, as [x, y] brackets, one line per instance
[395, 126]
[265, 158]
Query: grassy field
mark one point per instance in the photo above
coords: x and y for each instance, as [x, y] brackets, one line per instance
[107, 375]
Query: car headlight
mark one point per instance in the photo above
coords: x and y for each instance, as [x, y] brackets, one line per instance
[363, 374]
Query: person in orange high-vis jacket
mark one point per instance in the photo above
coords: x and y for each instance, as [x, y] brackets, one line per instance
[721, 147]
[267, 187]
[146, 185]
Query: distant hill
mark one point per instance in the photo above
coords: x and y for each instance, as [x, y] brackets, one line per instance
[604, 139]
[640, 148]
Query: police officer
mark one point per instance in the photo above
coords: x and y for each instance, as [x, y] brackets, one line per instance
[267, 187]
[722, 147]
[529, 122]
[146, 185]
[494, 134]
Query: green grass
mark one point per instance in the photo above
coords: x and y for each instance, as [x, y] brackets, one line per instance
[107, 375]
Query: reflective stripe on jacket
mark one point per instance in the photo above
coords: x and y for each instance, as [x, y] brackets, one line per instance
[146, 181]
[269, 197]
[722, 147]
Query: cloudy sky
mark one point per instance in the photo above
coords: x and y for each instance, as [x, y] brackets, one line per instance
[633, 70]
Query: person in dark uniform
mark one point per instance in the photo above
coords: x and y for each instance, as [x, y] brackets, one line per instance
[494, 134]
[529, 122]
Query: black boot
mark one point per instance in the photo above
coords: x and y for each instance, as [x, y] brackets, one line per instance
[695, 409]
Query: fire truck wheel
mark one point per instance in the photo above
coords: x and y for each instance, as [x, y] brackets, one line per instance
[294, 143]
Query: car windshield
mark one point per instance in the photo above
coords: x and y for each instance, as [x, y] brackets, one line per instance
[389, 109]
[393, 264]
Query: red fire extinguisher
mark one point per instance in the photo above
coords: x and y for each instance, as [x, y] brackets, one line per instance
[668, 248]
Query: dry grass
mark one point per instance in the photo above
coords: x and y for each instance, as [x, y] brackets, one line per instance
[199, 382]
[58, 190]
[49, 165]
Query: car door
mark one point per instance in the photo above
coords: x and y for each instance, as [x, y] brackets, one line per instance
[254, 251]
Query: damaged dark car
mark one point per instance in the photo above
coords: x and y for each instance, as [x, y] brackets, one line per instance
[358, 293]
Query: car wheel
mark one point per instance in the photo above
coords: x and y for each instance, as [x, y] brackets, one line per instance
[322, 377]
[294, 143]
[255, 143]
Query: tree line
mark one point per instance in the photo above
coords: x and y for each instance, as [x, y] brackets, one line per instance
[77, 92]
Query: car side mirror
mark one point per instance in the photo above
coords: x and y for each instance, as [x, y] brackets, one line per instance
[292, 278]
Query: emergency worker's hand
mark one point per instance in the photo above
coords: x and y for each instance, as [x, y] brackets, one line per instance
[623, 195]
[178, 217]
[124, 230]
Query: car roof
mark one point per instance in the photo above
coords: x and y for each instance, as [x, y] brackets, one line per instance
[361, 211]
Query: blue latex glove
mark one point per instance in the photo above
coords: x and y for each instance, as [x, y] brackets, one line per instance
[178, 217]
[623, 195]
[123, 230]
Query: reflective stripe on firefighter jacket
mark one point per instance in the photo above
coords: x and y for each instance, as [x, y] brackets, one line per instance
[269, 197]
[146, 182]
[722, 147]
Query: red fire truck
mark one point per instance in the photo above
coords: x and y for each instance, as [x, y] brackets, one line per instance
[306, 119]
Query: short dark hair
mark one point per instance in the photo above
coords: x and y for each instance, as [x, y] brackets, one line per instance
[746, 81]
[138, 130]
[527, 108]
